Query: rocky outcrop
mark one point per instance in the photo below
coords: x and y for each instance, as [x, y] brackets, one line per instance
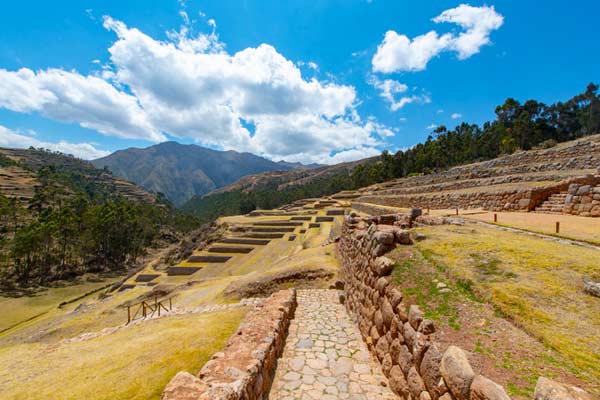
[244, 368]
[397, 333]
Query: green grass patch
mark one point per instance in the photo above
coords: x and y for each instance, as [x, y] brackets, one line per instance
[436, 306]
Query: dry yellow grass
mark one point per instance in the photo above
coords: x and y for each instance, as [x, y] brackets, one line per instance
[21, 309]
[535, 282]
[571, 226]
[134, 363]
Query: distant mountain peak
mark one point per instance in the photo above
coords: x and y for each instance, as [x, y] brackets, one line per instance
[181, 171]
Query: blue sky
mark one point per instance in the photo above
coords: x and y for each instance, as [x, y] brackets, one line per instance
[97, 77]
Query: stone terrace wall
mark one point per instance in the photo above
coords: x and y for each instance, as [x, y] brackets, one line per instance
[396, 333]
[577, 155]
[243, 370]
[586, 204]
[584, 199]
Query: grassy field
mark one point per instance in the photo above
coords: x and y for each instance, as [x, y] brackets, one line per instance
[536, 283]
[571, 226]
[21, 309]
[133, 363]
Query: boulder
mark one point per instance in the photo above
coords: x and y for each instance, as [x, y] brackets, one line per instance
[418, 237]
[457, 372]
[380, 285]
[430, 370]
[405, 359]
[415, 316]
[383, 266]
[409, 335]
[484, 389]
[382, 348]
[427, 327]
[592, 288]
[387, 312]
[403, 236]
[184, 386]
[378, 321]
[395, 297]
[415, 383]
[547, 389]
[397, 382]
[384, 237]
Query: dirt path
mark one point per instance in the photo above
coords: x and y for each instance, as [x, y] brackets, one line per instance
[325, 357]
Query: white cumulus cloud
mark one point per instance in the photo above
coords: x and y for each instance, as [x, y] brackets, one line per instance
[87, 151]
[398, 52]
[70, 97]
[456, 116]
[189, 86]
[389, 88]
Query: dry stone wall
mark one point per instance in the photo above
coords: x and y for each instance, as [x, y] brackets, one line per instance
[397, 333]
[243, 370]
[583, 199]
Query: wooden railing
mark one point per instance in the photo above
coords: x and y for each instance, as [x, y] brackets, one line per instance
[145, 309]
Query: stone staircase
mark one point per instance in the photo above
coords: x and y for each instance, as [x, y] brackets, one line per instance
[553, 204]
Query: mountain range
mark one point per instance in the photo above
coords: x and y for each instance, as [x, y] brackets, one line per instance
[182, 171]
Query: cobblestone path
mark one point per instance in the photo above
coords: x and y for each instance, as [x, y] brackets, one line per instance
[325, 357]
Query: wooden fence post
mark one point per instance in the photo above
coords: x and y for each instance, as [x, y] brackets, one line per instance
[128, 314]
[144, 309]
[457, 211]
[170, 305]
[495, 217]
[557, 227]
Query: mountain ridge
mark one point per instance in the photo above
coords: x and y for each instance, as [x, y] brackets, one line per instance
[181, 171]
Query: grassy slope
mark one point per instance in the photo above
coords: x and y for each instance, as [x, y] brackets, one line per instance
[134, 363]
[20, 309]
[536, 283]
[138, 361]
[497, 348]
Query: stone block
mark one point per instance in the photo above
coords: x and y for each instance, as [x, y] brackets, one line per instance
[484, 389]
[415, 316]
[457, 372]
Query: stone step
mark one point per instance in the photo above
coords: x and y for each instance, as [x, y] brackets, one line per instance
[146, 277]
[257, 242]
[230, 249]
[277, 223]
[324, 219]
[556, 209]
[258, 235]
[208, 259]
[336, 212]
[179, 270]
[272, 229]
